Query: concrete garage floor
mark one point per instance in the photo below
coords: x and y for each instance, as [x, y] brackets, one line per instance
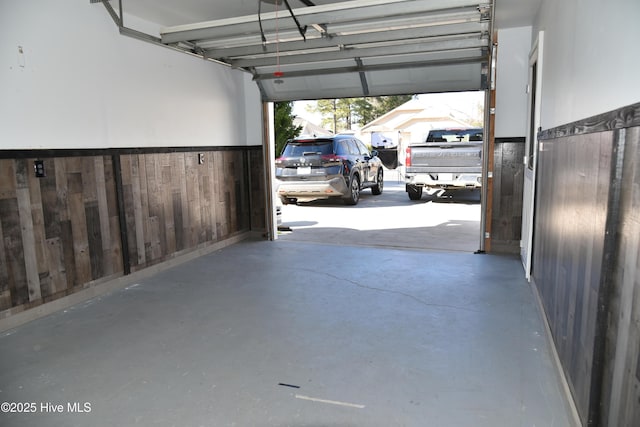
[296, 334]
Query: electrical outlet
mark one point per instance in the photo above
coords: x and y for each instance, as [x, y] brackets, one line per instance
[38, 166]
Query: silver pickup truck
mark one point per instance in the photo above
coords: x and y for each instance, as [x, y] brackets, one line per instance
[449, 159]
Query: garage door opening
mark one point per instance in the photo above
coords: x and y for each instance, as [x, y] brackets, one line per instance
[444, 217]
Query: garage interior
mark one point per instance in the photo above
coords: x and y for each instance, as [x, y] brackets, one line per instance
[137, 272]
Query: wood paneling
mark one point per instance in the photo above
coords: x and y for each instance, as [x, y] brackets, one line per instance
[572, 199]
[13, 251]
[257, 198]
[60, 233]
[508, 178]
[27, 230]
[56, 231]
[587, 260]
[175, 204]
[622, 374]
[623, 118]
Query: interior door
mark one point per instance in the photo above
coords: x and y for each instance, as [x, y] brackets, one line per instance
[533, 124]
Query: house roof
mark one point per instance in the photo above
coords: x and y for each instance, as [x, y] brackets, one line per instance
[415, 111]
[309, 128]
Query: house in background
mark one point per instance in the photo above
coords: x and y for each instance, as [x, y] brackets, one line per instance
[411, 122]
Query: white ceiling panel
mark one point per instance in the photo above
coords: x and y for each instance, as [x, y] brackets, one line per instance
[509, 13]
[313, 87]
[474, 55]
[446, 78]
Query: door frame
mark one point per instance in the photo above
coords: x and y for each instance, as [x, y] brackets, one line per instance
[534, 90]
[268, 149]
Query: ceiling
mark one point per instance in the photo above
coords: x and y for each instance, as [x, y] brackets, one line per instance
[331, 49]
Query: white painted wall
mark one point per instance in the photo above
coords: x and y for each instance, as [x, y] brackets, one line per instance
[80, 84]
[252, 112]
[512, 67]
[591, 58]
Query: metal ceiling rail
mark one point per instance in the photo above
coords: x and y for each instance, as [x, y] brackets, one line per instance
[342, 30]
[118, 19]
[457, 16]
[256, 48]
[354, 10]
[363, 77]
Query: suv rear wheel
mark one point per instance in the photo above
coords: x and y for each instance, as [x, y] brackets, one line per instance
[354, 191]
[377, 189]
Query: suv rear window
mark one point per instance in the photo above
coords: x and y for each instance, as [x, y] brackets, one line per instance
[301, 148]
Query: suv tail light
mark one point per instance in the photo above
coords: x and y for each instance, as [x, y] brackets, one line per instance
[335, 160]
[407, 161]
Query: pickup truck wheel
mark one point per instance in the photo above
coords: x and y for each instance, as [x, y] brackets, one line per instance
[354, 192]
[377, 189]
[415, 193]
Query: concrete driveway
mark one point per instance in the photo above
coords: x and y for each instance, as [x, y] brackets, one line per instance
[449, 223]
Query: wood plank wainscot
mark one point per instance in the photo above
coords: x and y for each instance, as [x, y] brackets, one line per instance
[97, 215]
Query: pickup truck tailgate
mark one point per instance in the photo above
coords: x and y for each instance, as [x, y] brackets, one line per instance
[445, 157]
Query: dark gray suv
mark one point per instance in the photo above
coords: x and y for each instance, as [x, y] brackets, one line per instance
[320, 168]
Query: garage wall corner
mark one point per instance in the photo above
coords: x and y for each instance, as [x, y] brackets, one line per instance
[514, 45]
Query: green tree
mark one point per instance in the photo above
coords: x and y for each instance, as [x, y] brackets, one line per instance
[337, 114]
[341, 114]
[364, 110]
[283, 125]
